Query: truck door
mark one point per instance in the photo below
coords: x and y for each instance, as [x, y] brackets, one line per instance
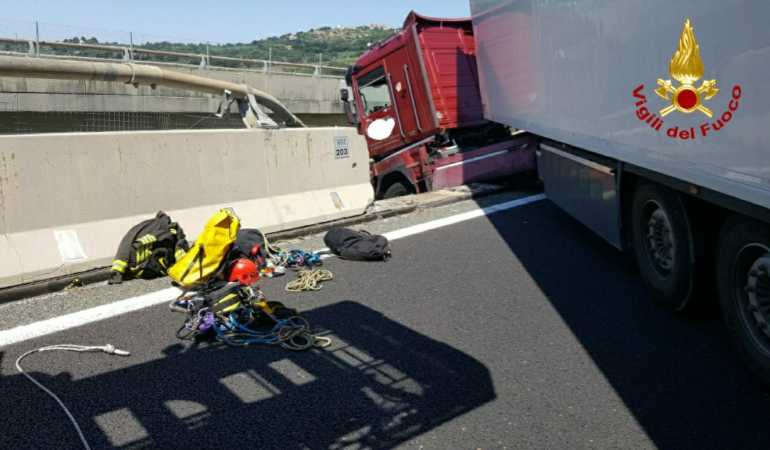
[402, 84]
[379, 119]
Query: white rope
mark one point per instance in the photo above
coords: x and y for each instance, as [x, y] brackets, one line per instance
[109, 349]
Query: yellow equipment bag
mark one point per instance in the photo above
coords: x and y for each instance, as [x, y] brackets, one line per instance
[206, 257]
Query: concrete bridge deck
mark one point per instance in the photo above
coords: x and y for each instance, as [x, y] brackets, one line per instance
[315, 100]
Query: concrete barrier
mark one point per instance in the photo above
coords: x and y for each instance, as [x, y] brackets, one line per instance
[66, 200]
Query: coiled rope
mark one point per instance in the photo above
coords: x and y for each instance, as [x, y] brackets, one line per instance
[292, 333]
[307, 280]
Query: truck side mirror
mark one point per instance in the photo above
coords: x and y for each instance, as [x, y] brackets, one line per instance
[351, 112]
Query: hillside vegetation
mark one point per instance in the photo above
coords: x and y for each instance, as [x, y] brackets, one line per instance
[337, 46]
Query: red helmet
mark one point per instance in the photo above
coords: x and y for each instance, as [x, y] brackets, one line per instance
[243, 271]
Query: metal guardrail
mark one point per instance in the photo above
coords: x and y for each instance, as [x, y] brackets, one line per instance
[129, 52]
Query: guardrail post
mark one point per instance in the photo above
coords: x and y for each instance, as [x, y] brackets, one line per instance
[131, 44]
[208, 57]
[37, 39]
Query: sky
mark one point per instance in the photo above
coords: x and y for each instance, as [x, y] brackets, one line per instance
[225, 21]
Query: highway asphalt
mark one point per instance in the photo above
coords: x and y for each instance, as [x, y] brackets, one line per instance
[521, 329]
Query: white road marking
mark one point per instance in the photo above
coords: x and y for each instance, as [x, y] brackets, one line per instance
[50, 326]
[432, 225]
[42, 328]
[451, 220]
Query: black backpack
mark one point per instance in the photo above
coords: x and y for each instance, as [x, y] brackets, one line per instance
[249, 244]
[357, 245]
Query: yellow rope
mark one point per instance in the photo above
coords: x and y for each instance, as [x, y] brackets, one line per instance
[270, 249]
[308, 280]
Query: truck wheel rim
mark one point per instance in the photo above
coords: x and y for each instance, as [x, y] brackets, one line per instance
[659, 240]
[751, 279]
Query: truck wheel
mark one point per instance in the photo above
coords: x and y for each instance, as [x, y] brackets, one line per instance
[396, 189]
[743, 279]
[663, 245]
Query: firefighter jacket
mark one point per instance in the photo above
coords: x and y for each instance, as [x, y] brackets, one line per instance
[148, 249]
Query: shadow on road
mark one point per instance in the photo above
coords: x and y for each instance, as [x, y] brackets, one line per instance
[679, 377]
[379, 385]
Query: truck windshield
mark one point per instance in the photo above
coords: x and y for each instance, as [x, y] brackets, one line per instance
[373, 91]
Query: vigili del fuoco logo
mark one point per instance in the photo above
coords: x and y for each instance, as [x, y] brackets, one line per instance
[687, 68]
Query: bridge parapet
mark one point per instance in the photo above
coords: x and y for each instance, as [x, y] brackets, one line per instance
[300, 93]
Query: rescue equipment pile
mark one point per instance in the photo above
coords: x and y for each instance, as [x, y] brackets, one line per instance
[219, 276]
[219, 272]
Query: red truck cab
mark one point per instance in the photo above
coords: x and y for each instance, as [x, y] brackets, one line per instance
[416, 100]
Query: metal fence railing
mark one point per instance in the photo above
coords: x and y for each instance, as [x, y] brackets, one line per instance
[21, 122]
[42, 40]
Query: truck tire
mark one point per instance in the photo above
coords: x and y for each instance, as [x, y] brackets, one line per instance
[743, 280]
[663, 245]
[396, 189]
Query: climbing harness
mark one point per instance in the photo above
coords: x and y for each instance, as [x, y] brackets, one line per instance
[308, 280]
[241, 315]
[109, 349]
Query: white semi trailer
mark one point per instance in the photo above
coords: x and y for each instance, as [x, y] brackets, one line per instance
[655, 125]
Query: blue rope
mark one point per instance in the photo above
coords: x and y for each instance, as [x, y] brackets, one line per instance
[268, 337]
[225, 338]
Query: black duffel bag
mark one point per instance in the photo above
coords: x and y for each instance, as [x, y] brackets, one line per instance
[357, 245]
